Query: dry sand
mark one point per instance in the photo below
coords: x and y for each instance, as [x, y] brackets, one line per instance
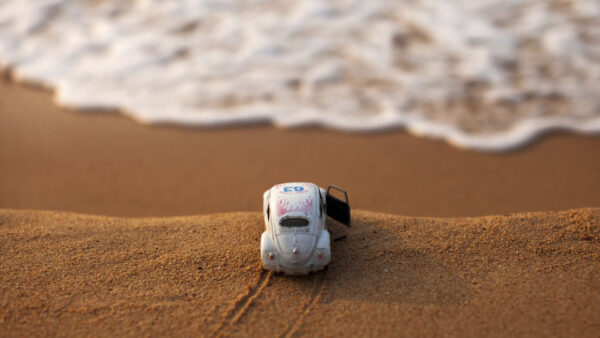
[106, 164]
[531, 274]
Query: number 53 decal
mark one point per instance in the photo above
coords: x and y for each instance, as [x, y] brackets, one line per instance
[290, 189]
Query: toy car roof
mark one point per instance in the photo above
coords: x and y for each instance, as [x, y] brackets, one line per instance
[294, 199]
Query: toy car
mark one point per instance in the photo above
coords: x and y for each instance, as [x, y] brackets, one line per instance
[296, 240]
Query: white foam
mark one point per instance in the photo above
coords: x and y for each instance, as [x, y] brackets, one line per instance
[348, 64]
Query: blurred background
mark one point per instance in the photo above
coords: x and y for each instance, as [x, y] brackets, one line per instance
[425, 108]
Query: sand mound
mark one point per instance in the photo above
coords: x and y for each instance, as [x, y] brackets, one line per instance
[524, 274]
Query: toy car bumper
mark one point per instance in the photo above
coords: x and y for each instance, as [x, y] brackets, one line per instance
[289, 269]
[273, 261]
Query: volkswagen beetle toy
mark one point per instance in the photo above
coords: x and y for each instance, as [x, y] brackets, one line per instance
[296, 239]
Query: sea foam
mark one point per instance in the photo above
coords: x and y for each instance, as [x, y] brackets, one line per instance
[486, 74]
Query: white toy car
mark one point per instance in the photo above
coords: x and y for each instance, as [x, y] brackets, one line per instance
[296, 240]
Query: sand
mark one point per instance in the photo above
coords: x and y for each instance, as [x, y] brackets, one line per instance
[106, 164]
[530, 274]
[62, 273]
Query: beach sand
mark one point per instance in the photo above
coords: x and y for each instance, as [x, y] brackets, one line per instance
[111, 227]
[56, 159]
[74, 274]
[530, 274]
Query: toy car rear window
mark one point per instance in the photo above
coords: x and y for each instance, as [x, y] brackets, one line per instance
[294, 222]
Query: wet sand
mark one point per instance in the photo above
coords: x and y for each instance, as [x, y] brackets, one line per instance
[532, 274]
[57, 159]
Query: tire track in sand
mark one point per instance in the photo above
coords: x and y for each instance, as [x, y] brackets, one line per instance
[314, 298]
[241, 305]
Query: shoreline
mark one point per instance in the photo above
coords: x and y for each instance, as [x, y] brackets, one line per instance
[340, 79]
[525, 133]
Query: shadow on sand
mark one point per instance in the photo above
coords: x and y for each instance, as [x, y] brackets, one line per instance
[372, 265]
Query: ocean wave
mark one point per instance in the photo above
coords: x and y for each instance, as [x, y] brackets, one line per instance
[488, 74]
